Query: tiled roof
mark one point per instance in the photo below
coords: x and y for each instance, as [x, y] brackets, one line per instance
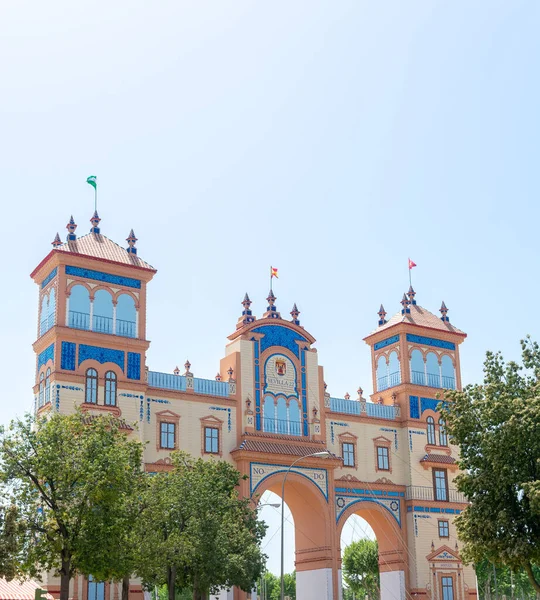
[419, 316]
[97, 245]
[439, 458]
[279, 447]
[15, 590]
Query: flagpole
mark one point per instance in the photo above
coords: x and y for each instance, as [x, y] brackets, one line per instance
[271, 279]
[95, 197]
[410, 278]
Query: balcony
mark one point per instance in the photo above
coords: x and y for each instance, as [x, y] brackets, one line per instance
[179, 383]
[167, 381]
[357, 407]
[387, 381]
[420, 492]
[282, 426]
[81, 320]
[211, 387]
[432, 380]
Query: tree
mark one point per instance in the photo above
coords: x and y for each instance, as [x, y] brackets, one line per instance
[64, 478]
[361, 568]
[272, 586]
[197, 532]
[497, 428]
[509, 584]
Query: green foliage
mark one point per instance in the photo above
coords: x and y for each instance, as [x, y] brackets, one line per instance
[196, 531]
[66, 479]
[497, 428]
[506, 579]
[361, 568]
[272, 586]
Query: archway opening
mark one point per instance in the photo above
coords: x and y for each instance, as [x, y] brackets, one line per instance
[358, 535]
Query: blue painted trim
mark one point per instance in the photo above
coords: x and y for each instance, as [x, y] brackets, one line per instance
[105, 277]
[133, 365]
[102, 355]
[432, 509]
[284, 470]
[305, 430]
[49, 277]
[425, 341]
[46, 355]
[386, 342]
[375, 501]
[257, 367]
[414, 409]
[430, 404]
[356, 491]
[278, 335]
[67, 358]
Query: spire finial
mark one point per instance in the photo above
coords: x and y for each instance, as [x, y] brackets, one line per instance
[187, 366]
[411, 293]
[382, 315]
[57, 241]
[71, 227]
[247, 316]
[295, 313]
[95, 222]
[176, 370]
[443, 310]
[405, 305]
[131, 240]
[271, 310]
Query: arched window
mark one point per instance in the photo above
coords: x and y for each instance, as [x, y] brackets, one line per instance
[126, 316]
[90, 394]
[269, 413]
[418, 375]
[41, 389]
[51, 320]
[79, 307]
[448, 373]
[294, 418]
[102, 320]
[110, 388]
[282, 420]
[394, 374]
[432, 369]
[443, 436]
[382, 374]
[431, 431]
[44, 314]
[48, 386]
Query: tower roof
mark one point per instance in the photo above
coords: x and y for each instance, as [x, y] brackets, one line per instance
[96, 245]
[420, 316]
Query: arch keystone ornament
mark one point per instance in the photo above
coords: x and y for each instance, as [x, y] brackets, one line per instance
[269, 412]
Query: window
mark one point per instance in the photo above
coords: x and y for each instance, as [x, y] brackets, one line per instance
[447, 584]
[167, 435]
[431, 431]
[348, 454]
[110, 388]
[48, 386]
[383, 463]
[90, 395]
[96, 589]
[211, 440]
[41, 389]
[444, 530]
[443, 436]
[440, 485]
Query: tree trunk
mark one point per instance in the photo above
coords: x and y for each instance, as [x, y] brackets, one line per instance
[171, 581]
[530, 575]
[125, 588]
[65, 577]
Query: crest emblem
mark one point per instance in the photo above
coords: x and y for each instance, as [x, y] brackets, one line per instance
[281, 367]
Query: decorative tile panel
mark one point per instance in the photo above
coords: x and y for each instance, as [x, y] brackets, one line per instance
[429, 404]
[104, 277]
[386, 342]
[67, 359]
[102, 355]
[49, 277]
[425, 341]
[391, 501]
[133, 365]
[414, 408]
[258, 472]
[47, 354]
[277, 335]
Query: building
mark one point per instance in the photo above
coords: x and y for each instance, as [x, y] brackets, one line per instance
[266, 408]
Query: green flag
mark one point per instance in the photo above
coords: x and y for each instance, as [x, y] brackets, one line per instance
[92, 181]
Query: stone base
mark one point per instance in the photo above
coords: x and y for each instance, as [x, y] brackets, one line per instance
[316, 584]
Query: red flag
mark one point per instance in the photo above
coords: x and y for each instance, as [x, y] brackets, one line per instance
[273, 272]
[411, 264]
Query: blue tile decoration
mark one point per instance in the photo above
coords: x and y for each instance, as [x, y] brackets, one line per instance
[157, 400]
[434, 509]
[391, 501]
[277, 335]
[395, 432]
[133, 365]
[141, 409]
[414, 408]
[148, 410]
[337, 424]
[229, 420]
[411, 433]
[429, 404]
[304, 393]
[386, 342]
[134, 396]
[102, 355]
[49, 277]
[257, 353]
[57, 402]
[425, 341]
[47, 354]
[105, 277]
[67, 358]
[73, 388]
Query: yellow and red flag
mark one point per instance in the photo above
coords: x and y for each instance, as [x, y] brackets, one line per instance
[411, 264]
[273, 272]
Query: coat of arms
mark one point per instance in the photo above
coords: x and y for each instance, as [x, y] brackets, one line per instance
[281, 367]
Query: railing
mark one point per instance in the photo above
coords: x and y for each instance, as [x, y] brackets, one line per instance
[394, 378]
[125, 328]
[382, 383]
[433, 380]
[282, 426]
[355, 407]
[418, 377]
[211, 387]
[79, 320]
[102, 324]
[167, 381]
[420, 492]
[448, 383]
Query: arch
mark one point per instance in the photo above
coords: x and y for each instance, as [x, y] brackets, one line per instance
[91, 386]
[282, 422]
[431, 440]
[110, 388]
[448, 372]
[51, 314]
[41, 388]
[126, 316]
[394, 373]
[269, 414]
[418, 375]
[102, 319]
[432, 370]
[443, 436]
[44, 314]
[382, 373]
[48, 385]
[79, 307]
[294, 418]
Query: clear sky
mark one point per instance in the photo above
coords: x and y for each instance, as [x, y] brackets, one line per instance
[330, 139]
